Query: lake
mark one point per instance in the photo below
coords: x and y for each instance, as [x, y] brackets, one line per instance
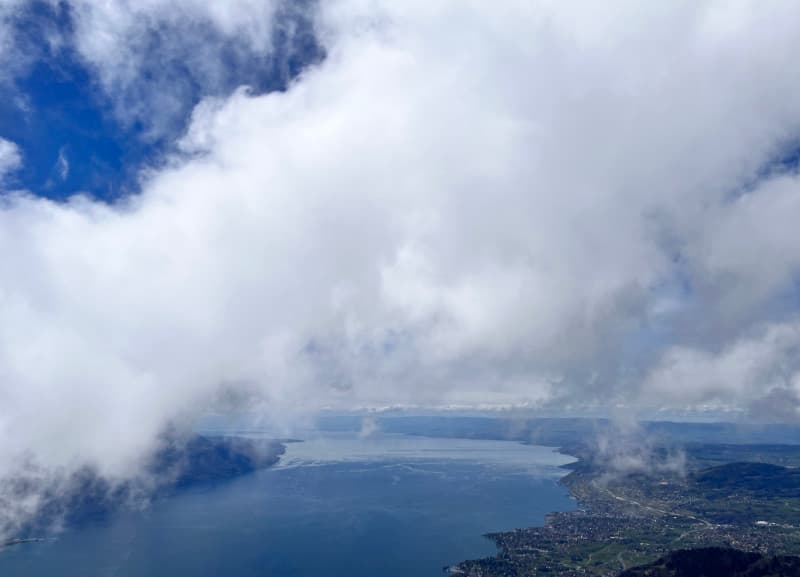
[337, 504]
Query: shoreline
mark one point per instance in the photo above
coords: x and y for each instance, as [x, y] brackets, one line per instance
[458, 570]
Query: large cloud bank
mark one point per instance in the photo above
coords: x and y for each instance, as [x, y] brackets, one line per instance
[465, 203]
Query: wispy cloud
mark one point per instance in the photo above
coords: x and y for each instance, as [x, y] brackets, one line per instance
[62, 165]
[10, 157]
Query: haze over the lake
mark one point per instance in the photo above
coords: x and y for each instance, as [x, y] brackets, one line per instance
[337, 504]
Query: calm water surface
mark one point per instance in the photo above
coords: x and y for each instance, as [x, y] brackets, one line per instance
[338, 505]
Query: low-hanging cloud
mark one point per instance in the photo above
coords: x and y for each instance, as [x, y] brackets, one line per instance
[464, 203]
[758, 373]
[625, 448]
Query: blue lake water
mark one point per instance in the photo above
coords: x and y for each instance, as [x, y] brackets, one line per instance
[336, 505]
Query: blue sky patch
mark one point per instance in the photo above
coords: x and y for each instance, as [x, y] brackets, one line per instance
[69, 132]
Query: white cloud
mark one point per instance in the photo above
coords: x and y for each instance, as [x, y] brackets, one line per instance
[748, 252]
[10, 157]
[151, 58]
[9, 56]
[62, 165]
[465, 203]
[755, 372]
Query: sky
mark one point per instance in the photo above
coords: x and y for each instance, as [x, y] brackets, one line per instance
[286, 206]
